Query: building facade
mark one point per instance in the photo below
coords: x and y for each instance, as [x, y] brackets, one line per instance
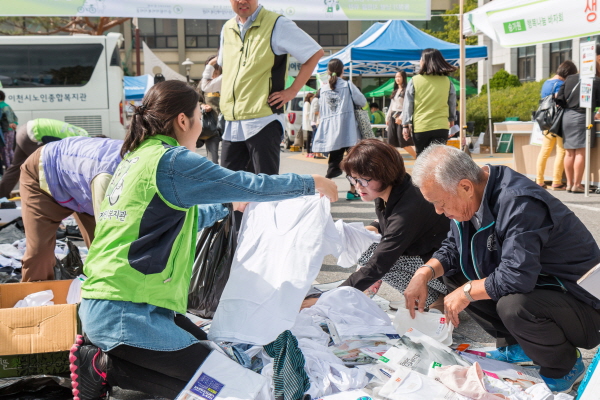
[175, 40]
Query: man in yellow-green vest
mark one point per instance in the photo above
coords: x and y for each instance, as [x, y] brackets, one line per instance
[254, 56]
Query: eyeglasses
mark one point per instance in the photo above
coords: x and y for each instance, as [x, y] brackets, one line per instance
[362, 182]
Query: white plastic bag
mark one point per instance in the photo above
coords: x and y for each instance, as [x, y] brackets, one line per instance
[406, 384]
[36, 299]
[433, 325]
[222, 378]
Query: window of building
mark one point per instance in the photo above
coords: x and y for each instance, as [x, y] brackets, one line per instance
[560, 52]
[203, 33]
[158, 33]
[526, 63]
[326, 33]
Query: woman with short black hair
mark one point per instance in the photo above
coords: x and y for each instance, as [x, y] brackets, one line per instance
[411, 231]
[429, 102]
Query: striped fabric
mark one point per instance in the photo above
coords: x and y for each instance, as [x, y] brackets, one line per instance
[289, 378]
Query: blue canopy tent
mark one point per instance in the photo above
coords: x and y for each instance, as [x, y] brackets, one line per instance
[136, 86]
[388, 47]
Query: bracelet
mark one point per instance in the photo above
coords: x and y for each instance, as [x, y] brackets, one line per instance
[432, 271]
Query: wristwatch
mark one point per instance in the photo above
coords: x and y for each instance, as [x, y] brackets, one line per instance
[467, 292]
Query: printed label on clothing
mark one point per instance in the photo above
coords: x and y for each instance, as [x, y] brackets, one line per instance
[206, 387]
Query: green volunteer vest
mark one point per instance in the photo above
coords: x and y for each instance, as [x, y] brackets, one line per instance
[144, 246]
[43, 127]
[251, 71]
[431, 102]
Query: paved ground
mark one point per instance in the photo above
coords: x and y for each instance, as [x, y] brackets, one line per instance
[587, 209]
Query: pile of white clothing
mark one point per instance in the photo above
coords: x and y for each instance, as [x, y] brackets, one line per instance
[352, 314]
[281, 247]
[355, 241]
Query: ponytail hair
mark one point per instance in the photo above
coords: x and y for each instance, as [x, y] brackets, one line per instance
[160, 107]
[335, 69]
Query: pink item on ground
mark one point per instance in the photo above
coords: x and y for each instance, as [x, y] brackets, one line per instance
[467, 381]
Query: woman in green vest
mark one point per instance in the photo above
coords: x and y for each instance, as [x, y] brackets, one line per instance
[140, 263]
[429, 102]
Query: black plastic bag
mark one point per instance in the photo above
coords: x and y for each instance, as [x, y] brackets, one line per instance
[69, 267]
[214, 254]
[13, 231]
[36, 387]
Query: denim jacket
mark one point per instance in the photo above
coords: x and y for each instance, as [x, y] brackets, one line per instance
[185, 179]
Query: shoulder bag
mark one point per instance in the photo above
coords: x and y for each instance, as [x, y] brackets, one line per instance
[556, 127]
[362, 118]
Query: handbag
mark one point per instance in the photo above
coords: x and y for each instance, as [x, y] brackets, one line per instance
[209, 125]
[362, 118]
[546, 112]
[556, 127]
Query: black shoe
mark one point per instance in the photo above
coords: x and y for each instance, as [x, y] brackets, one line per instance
[87, 380]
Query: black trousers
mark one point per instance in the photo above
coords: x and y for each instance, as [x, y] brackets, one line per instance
[333, 163]
[308, 141]
[548, 324]
[262, 151]
[424, 139]
[158, 373]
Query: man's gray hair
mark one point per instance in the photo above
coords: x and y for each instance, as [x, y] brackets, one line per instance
[446, 166]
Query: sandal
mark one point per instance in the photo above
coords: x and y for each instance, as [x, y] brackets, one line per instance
[542, 185]
[559, 187]
[578, 189]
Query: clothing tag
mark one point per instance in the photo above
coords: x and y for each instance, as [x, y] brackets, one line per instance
[206, 387]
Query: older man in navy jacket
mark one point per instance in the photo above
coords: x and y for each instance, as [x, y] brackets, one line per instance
[512, 259]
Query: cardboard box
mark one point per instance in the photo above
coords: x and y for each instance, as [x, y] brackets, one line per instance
[35, 330]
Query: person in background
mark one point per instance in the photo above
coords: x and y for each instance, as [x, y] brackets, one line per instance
[377, 117]
[394, 116]
[30, 136]
[429, 102]
[574, 126]
[211, 95]
[338, 129]
[551, 87]
[410, 228]
[315, 120]
[254, 51]
[512, 260]
[59, 179]
[140, 264]
[306, 123]
[8, 125]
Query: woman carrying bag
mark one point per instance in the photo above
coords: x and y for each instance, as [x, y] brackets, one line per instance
[338, 129]
[211, 94]
[394, 116]
[429, 102]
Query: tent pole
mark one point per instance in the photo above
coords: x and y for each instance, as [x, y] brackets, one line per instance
[463, 78]
[350, 77]
[488, 61]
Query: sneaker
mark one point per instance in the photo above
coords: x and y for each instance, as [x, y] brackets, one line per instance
[87, 381]
[352, 196]
[565, 384]
[513, 354]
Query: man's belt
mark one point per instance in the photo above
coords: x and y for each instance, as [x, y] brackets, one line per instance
[213, 94]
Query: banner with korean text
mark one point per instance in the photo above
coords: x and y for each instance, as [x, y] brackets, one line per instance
[515, 23]
[221, 9]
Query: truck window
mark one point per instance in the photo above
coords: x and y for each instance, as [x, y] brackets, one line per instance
[48, 64]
